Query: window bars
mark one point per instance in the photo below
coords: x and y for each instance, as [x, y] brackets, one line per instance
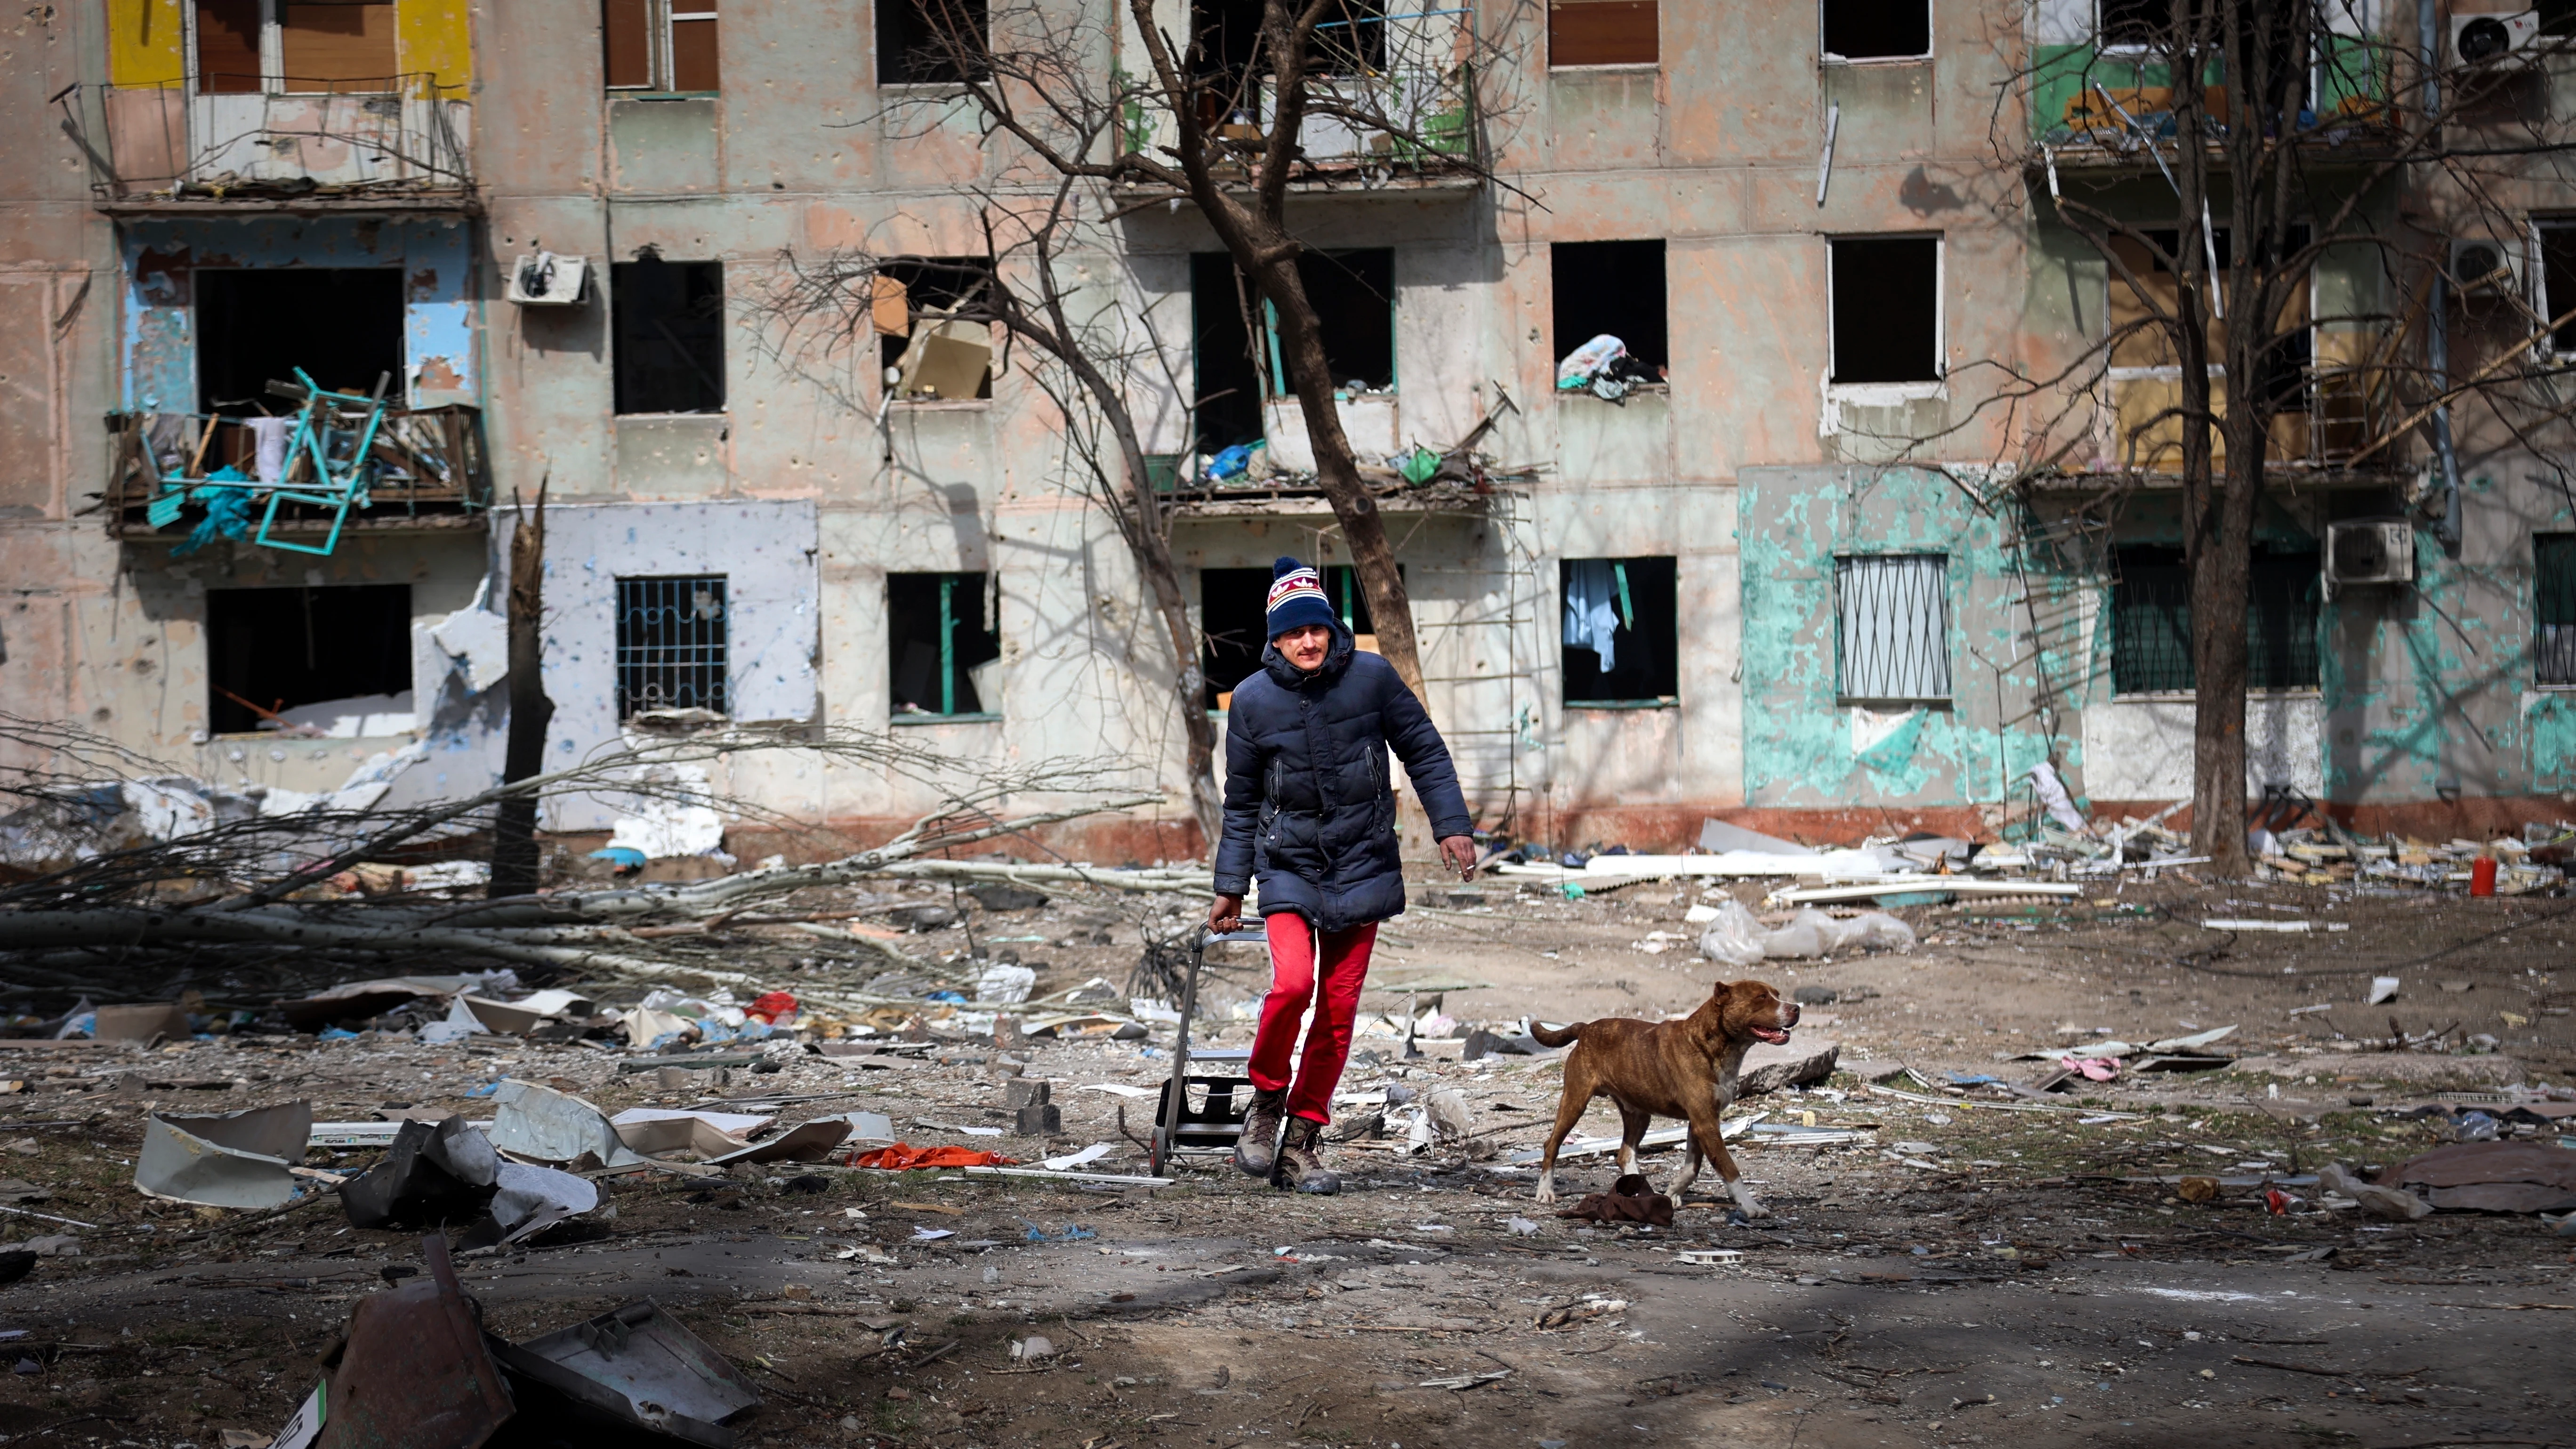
[2151, 622]
[2553, 557]
[671, 644]
[1892, 626]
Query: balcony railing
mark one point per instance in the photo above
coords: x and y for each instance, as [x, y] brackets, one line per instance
[2114, 99]
[2343, 408]
[341, 463]
[402, 139]
[1417, 100]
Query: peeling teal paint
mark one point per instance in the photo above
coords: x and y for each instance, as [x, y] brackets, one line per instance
[1798, 744]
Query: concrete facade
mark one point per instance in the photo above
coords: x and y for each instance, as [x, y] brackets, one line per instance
[1751, 469]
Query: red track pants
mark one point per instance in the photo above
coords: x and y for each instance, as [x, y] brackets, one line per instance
[1293, 973]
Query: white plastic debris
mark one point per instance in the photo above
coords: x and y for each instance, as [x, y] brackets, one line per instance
[533, 1199]
[2382, 988]
[1002, 982]
[1813, 933]
[1733, 937]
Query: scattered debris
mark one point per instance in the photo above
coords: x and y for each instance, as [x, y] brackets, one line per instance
[231, 1159]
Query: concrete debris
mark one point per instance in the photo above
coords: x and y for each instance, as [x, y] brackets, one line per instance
[1801, 1060]
[2493, 1177]
[232, 1159]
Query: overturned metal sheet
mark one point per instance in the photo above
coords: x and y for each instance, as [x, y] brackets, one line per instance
[416, 1373]
[642, 1366]
[808, 1143]
[541, 1124]
[229, 1159]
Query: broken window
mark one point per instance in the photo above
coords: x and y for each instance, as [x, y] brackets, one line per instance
[669, 335]
[1350, 39]
[1622, 644]
[2151, 621]
[1612, 288]
[1234, 621]
[671, 644]
[1892, 627]
[2557, 278]
[928, 355]
[1353, 294]
[1886, 309]
[2553, 558]
[273, 653]
[342, 325]
[1601, 32]
[666, 46]
[1877, 29]
[338, 46]
[930, 42]
[941, 641]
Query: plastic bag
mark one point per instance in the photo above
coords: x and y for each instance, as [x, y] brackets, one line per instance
[1813, 933]
[1596, 356]
[1734, 938]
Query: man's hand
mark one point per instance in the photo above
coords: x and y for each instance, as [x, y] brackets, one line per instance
[1460, 852]
[1226, 915]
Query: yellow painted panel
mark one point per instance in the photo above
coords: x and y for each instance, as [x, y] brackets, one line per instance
[147, 42]
[2153, 444]
[436, 36]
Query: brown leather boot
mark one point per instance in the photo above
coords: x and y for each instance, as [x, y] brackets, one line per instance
[1257, 1150]
[1301, 1159]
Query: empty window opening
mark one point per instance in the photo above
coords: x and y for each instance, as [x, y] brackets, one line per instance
[2557, 278]
[1601, 32]
[2151, 621]
[1877, 29]
[940, 627]
[273, 653]
[1353, 294]
[667, 46]
[2140, 22]
[245, 47]
[1233, 623]
[669, 324]
[1616, 289]
[931, 42]
[671, 638]
[1622, 631]
[2553, 557]
[1892, 627]
[342, 325]
[1228, 378]
[1887, 309]
[929, 353]
[1350, 39]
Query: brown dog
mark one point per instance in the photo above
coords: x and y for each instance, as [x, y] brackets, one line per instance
[1682, 1069]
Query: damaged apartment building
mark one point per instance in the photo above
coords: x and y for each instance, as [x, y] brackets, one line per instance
[300, 297]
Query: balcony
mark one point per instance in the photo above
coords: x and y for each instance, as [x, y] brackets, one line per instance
[399, 144]
[2099, 104]
[340, 465]
[1420, 128]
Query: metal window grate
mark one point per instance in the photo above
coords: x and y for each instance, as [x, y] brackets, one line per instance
[670, 644]
[1892, 615]
[2553, 557]
[2151, 622]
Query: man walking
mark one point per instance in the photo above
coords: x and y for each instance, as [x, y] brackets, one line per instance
[1310, 811]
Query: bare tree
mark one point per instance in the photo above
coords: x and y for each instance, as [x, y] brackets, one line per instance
[1223, 128]
[2310, 130]
[514, 827]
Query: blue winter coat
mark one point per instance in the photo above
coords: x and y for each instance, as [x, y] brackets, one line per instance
[1308, 807]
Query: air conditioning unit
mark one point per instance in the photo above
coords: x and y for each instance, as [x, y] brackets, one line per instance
[2483, 265]
[2370, 551]
[547, 280]
[2476, 39]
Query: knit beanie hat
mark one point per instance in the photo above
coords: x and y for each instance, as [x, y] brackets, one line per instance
[1297, 598]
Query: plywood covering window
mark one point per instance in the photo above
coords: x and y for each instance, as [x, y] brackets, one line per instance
[1886, 309]
[1601, 32]
[1877, 29]
[665, 46]
[939, 627]
[2146, 371]
[245, 47]
[1622, 635]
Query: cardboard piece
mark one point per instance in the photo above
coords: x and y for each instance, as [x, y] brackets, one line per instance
[229, 1159]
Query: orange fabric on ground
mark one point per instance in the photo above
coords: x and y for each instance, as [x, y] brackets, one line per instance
[903, 1157]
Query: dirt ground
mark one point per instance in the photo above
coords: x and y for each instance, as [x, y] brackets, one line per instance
[1975, 1269]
